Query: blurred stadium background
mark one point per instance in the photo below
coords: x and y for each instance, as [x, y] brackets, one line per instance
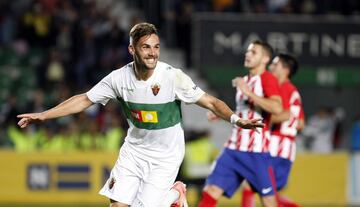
[52, 49]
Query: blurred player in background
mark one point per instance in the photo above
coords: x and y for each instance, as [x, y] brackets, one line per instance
[284, 129]
[150, 93]
[246, 153]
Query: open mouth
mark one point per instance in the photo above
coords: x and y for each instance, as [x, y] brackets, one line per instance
[151, 60]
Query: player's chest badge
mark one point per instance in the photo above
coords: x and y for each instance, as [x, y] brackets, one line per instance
[155, 88]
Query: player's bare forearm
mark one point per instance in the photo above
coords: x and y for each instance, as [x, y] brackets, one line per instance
[272, 104]
[281, 117]
[223, 111]
[301, 125]
[73, 105]
[218, 107]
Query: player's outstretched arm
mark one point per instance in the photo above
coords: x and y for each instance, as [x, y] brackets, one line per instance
[72, 105]
[220, 109]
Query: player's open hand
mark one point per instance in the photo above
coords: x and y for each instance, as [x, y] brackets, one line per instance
[27, 119]
[250, 124]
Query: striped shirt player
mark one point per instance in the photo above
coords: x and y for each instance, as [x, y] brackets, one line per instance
[155, 137]
[282, 143]
[246, 153]
[264, 85]
[286, 124]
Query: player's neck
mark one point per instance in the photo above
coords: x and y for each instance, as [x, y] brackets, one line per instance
[257, 70]
[141, 72]
[282, 80]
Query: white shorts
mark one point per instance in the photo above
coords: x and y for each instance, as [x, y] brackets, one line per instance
[138, 182]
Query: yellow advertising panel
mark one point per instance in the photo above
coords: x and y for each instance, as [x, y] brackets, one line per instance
[68, 178]
[54, 177]
[319, 179]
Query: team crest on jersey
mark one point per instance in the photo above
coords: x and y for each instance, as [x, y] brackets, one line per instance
[155, 88]
[112, 183]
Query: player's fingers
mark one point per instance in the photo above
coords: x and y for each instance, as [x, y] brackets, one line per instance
[23, 122]
[23, 115]
[256, 120]
[24, 125]
[257, 126]
[261, 125]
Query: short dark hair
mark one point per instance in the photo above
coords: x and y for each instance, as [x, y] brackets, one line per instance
[140, 30]
[289, 62]
[266, 47]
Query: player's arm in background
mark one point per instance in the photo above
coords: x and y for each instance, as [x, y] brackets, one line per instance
[301, 123]
[271, 104]
[280, 117]
[220, 109]
[72, 105]
[286, 113]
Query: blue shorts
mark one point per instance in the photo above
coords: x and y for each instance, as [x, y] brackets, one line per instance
[233, 166]
[282, 169]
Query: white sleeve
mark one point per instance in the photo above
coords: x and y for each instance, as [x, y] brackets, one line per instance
[185, 89]
[103, 91]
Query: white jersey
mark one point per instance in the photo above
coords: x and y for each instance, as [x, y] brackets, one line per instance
[152, 108]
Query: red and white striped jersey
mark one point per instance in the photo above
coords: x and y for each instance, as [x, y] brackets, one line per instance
[282, 143]
[248, 140]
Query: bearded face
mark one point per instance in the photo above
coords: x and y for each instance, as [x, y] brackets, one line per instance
[146, 51]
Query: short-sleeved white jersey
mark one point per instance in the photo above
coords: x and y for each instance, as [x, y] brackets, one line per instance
[152, 108]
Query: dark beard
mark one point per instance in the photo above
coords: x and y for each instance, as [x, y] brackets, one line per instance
[140, 65]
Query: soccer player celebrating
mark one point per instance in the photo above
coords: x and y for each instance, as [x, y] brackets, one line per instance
[246, 153]
[150, 93]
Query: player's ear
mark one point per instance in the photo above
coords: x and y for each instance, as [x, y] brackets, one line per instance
[266, 60]
[287, 72]
[131, 49]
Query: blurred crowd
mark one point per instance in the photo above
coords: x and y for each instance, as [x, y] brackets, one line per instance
[52, 49]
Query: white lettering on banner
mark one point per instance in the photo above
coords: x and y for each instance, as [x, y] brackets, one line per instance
[354, 45]
[298, 43]
[222, 42]
[329, 44]
[252, 36]
[278, 40]
[298, 40]
[314, 45]
[232, 42]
